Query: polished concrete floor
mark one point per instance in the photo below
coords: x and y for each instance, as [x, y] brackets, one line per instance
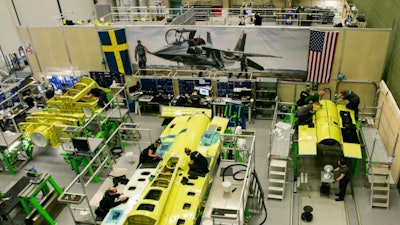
[355, 210]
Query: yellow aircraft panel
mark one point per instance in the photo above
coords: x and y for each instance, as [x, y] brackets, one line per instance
[174, 111]
[351, 150]
[307, 140]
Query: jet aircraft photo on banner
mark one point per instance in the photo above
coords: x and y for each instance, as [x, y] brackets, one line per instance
[221, 48]
[184, 47]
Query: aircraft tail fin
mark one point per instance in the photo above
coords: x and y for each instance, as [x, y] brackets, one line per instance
[254, 65]
[209, 41]
[241, 42]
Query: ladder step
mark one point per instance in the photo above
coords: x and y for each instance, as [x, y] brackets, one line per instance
[275, 196]
[278, 163]
[273, 188]
[380, 196]
[385, 205]
[380, 170]
[375, 188]
[277, 173]
[276, 181]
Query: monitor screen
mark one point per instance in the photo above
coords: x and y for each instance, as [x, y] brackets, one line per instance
[134, 88]
[40, 88]
[81, 145]
[204, 91]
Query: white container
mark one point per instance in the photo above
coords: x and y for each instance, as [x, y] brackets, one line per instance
[227, 186]
[129, 157]
[85, 214]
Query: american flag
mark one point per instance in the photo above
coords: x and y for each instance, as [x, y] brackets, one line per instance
[320, 55]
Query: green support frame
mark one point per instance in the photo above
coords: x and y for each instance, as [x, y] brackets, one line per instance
[30, 199]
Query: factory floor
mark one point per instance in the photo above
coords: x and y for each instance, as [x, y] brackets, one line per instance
[355, 210]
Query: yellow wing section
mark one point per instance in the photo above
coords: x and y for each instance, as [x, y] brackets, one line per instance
[62, 110]
[185, 199]
[150, 206]
[174, 111]
[350, 145]
[332, 124]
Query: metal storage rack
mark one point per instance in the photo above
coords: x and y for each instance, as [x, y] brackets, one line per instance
[265, 97]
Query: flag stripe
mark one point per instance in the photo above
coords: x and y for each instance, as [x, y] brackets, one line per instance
[116, 50]
[321, 55]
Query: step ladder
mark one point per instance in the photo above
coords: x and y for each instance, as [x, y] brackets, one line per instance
[276, 178]
[255, 199]
[380, 186]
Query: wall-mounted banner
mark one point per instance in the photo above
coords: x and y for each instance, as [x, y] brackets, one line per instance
[115, 48]
[267, 49]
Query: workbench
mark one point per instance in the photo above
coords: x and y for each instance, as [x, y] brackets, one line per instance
[12, 158]
[281, 140]
[7, 206]
[374, 146]
[219, 103]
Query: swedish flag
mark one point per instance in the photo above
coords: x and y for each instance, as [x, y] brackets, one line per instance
[115, 48]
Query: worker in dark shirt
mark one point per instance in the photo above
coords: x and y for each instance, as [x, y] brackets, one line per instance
[49, 92]
[195, 98]
[257, 19]
[149, 154]
[354, 101]
[303, 95]
[184, 100]
[198, 163]
[29, 100]
[343, 178]
[64, 88]
[304, 115]
[97, 92]
[315, 97]
[110, 199]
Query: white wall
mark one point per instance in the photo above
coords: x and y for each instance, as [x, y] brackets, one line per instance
[37, 13]
[77, 9]
[9, 39]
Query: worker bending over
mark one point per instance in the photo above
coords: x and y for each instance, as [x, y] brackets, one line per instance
[198, 163]
[315, 97]
[97, 92]
[303, 95]
[304, 115]
[352, 98]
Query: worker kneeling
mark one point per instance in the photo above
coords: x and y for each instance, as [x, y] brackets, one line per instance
[198, 163]
[111, 199]
[149, 154]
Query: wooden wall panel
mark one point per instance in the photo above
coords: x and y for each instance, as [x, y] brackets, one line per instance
[389, 127]
[84, 48]
[364, 54]
[50, 47]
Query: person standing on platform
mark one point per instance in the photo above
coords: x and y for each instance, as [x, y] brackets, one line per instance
[354, 101]
[140, 51]
[257, 19]
[343, 179]
[244, 66]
